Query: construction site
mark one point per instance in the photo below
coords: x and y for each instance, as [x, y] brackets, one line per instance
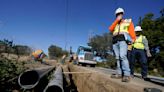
[71, 78]
[81, 46]
[56, 77]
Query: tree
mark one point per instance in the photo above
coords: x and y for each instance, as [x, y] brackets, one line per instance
[153, 30]
[101, 43]
[2, 47]
[162, 12]
[7, 46]
[56, 52]
[22, 50]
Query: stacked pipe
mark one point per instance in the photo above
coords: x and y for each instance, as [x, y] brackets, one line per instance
[56, 84]
[30, 78]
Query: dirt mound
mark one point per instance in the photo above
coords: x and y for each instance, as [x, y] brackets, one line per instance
[88, 80]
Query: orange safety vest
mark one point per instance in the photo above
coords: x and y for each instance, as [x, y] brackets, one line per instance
[122, 27]
[125, 26]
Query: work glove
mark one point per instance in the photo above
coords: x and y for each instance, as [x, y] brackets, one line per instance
[148, 54]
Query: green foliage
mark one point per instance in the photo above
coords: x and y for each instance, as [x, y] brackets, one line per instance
[56, 52]
[153, 30]
[7, 46]
[9, 71]
[111, 62]
[22, 50]
[101, 44]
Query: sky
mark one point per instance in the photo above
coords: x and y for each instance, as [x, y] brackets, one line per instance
[65, 23]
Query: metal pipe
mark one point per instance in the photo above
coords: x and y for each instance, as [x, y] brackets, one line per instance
[30, 78]
[56, 84]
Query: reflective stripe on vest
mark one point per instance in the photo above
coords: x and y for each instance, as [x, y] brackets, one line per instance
[138, 44]
[124, 26]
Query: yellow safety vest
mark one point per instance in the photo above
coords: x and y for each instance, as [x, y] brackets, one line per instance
[138, 44]
[123, 27]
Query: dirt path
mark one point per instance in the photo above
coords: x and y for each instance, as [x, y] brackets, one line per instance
[92, 80]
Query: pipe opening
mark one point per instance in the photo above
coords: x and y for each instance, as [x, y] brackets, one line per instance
[54, 89]
[29, 78]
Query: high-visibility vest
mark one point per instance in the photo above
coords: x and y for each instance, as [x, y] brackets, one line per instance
[123, 26]
[138, 44]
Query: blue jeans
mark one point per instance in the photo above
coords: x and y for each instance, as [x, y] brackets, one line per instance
[130, 60]
[141, 56]
[120, 50]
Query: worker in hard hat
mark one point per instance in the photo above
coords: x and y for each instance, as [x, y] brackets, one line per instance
[120, 29]
[38, 55]
[140, 51]
[63, 59]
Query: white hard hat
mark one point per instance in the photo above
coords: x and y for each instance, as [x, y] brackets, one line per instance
[138, 28]
[119, 10]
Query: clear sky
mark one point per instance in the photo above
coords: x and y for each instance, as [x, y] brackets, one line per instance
[40, 23]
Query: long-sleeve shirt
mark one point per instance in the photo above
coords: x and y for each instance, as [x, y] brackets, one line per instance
[145, 42]
[130, 30]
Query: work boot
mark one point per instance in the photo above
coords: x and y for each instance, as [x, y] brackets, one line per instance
[132, 76]
[126, 79]
[116, 76]
[145, 78]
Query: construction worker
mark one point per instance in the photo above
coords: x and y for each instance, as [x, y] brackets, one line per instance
[140, 45]
[120, 29]
[38, 55]
[63, 59]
